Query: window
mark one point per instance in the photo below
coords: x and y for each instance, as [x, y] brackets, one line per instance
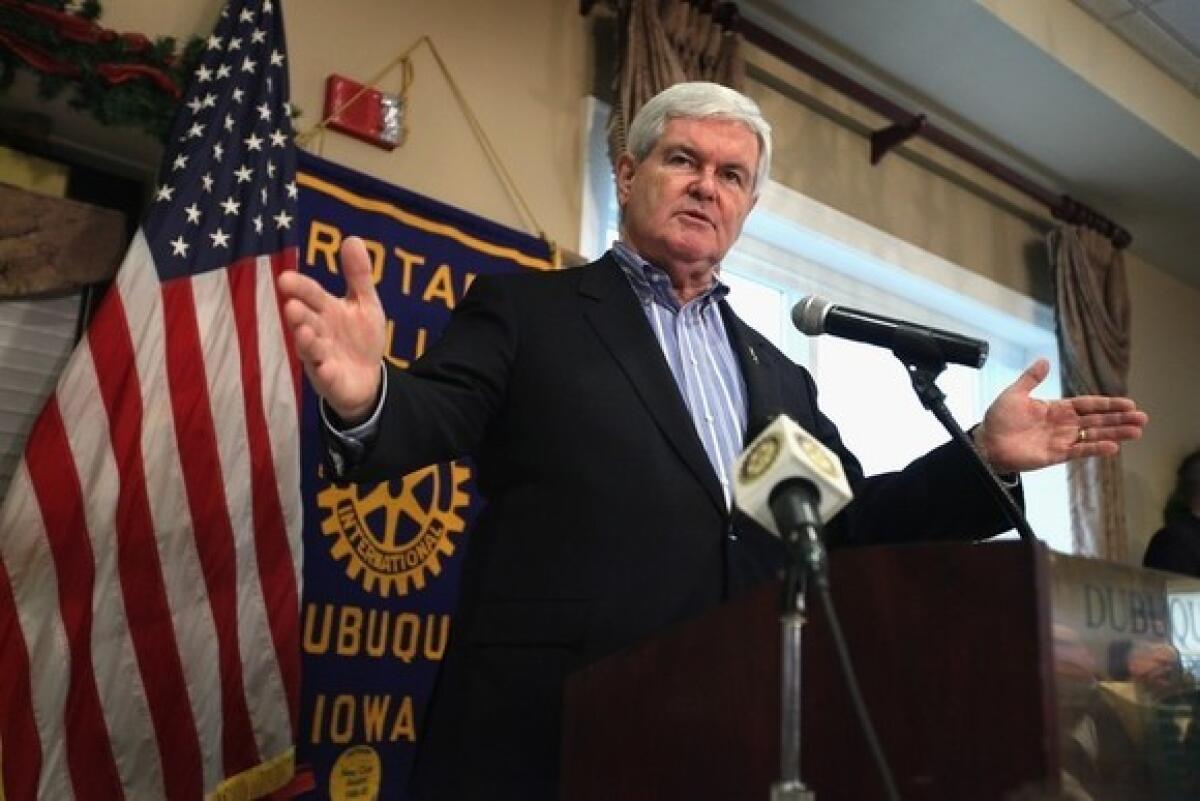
[793, 246]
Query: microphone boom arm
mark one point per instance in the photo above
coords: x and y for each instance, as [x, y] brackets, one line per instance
[924, 362]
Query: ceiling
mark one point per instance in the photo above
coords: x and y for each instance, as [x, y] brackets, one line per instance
[976, 76]
[1165, 31]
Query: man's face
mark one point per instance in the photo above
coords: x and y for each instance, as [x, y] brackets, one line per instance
[684, 204]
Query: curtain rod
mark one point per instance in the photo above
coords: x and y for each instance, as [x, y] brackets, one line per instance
[906, 124]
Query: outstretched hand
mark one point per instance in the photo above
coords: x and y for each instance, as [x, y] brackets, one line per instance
[1020, 432]
[340, 341]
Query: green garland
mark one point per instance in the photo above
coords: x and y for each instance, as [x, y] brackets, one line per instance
[120, 79]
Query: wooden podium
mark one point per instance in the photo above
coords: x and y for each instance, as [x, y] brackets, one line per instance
[952, 648]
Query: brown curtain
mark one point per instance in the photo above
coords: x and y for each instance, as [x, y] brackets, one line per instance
[664, 42]
[1093, 311]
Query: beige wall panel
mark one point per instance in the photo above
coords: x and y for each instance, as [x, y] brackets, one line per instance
[1165, 380]
[968, 220]
[522, 67]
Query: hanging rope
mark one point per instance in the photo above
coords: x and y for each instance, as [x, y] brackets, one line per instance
[405, 63]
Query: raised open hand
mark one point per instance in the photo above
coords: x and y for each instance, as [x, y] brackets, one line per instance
[340, 341]
[1020, 432]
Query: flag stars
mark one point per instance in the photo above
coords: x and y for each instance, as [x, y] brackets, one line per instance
[203, 73]
[268, 7]
[258, 36]
[276, 58]
[253, 142]
[264, 111]
[248, 64]
[164, 193]
[235, 44]
[193, 214]
[282, 220]
[230, 206]
[246, 16]
[270, 169]
[244, 174]
[220, 239]
[262, 193]
[210, 100]
[258, 224]
[229, 122]
[237, 94]
[223, 71]
[180, 163]
[195, 105]
[207, 181]
[291, 189]
[214, 42]
[218, 152]
[278, 138]
[178, 246]
[196, 131]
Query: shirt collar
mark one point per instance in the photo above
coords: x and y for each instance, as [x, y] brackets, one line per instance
[651, 283]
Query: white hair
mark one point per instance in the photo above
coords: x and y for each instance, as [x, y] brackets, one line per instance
[697, 99]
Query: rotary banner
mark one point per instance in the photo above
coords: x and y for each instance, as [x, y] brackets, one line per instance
[381, 562]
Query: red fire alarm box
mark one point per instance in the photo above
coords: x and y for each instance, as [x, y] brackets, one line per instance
[372, 116]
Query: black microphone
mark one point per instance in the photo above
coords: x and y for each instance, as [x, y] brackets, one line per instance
[815, 315]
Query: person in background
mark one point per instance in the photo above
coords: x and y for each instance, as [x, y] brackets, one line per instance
[1176, 546]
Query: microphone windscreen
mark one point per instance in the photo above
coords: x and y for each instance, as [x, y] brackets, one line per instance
[808, 314]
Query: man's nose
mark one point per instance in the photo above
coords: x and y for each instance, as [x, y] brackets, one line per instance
[704, 185]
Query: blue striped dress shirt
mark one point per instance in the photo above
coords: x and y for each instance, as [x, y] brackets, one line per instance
[694, 341]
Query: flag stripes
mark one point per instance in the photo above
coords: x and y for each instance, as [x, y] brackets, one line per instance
[150, 542]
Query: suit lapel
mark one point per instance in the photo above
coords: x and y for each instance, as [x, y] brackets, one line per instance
[621, 325]
[763, 400]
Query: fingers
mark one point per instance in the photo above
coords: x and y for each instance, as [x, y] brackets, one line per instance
[1034, 374]
[1091, 404]
[356, 267]
[1133, 419]
[1113, 433]
[293, 285]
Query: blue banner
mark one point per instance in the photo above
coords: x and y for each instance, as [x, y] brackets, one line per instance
[381, 562]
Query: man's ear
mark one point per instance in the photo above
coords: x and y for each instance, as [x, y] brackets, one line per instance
[624, 170]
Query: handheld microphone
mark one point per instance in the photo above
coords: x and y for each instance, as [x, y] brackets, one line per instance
[815, 315]
[787, 480]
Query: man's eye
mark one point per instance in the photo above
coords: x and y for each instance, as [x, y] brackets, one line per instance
[678, 158]
[734, 177]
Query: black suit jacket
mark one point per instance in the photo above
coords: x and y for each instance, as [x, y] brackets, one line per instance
[605, 521]
[1176, 547]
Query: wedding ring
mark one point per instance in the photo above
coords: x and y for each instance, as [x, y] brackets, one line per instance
[1083, 435]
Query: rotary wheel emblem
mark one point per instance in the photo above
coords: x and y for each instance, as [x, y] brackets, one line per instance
[392, 542]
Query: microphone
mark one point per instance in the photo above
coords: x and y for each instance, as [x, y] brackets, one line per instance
[815, 315]
[787, 481]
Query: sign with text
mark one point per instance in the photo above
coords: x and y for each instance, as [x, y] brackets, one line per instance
[381, 562]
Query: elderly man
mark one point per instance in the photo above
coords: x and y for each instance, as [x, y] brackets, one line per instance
[604, 406]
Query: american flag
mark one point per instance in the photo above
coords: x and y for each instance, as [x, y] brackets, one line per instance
[150, 542]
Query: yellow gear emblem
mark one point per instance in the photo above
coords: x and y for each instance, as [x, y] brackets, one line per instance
[391, 542]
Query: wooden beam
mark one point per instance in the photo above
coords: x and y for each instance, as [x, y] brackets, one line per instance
[52, 245]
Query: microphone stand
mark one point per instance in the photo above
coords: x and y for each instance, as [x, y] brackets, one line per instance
[791, 620]
[806, 559]
[794, 505]
[924, 361]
